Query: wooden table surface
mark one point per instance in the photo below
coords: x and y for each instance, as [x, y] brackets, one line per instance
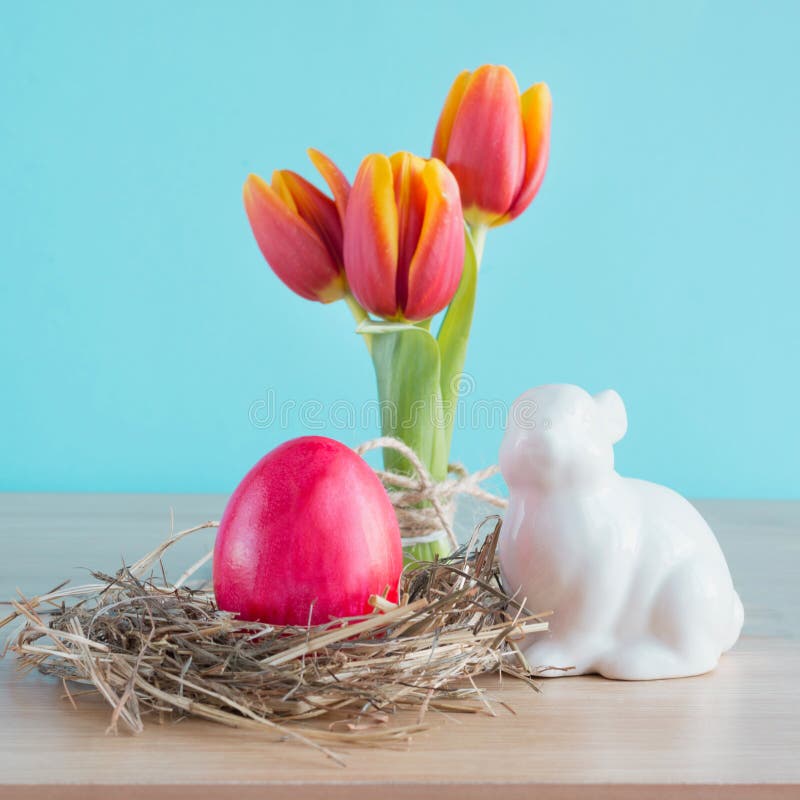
[734, 733]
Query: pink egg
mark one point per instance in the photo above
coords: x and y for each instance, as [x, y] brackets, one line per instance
[308, 534]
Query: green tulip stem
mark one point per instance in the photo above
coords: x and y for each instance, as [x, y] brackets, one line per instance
[359, 315]
[479, 241]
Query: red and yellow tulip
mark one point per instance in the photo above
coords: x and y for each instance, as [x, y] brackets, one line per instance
[495, 141]
[403, 236]
[299, 229]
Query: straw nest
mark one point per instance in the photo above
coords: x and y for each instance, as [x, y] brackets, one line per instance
[148, 646]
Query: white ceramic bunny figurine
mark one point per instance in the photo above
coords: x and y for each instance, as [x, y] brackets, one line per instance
[636, 578]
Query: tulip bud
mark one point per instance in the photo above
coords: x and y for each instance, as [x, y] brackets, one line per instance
[404, 236]
[299, 229]
[495, 142]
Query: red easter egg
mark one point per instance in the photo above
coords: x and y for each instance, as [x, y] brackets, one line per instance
[308, 534]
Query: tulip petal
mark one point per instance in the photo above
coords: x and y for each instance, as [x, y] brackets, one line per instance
[436, 267]
[334, 177]
[289, 244]
[444, 128]
[410, 194]
[281, 188]
[315, 208]
[371, 237]
[486, 151]
[536, 114]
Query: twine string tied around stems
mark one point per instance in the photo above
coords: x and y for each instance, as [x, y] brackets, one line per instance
[425, 507]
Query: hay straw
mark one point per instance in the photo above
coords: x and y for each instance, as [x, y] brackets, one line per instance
[146, 645]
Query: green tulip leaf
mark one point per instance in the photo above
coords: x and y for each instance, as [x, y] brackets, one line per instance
[408, 371]
[454, 336]
[369, 326]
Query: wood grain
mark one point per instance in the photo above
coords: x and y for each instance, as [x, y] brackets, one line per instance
[733, 733]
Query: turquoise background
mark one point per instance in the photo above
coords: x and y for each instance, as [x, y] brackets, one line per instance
[139, 324]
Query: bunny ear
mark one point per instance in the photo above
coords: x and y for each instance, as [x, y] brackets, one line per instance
[612, 411]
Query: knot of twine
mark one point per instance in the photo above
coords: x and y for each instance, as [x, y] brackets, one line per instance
[425, 507]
